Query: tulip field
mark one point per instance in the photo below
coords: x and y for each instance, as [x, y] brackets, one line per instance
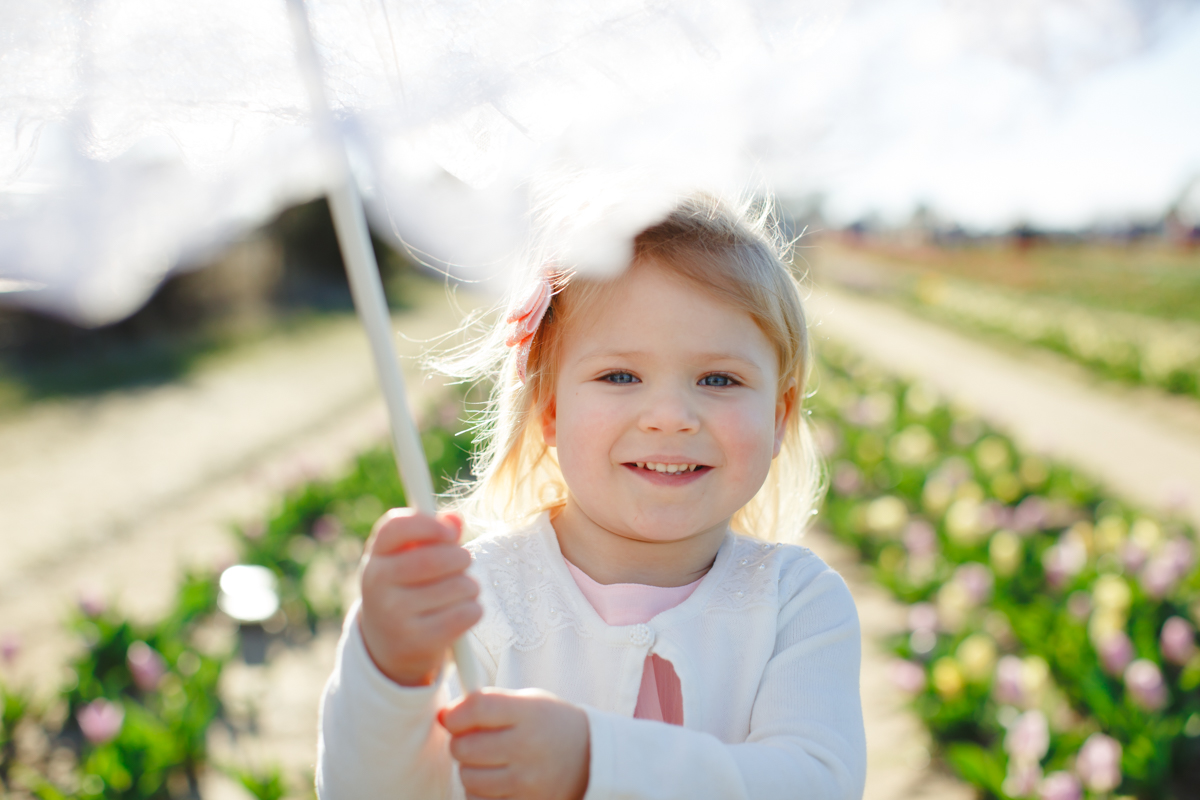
[1128, 313]
[1125, 347]
[134, 720]
[1051, 646]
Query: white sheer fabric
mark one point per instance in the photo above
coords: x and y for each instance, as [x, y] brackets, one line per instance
[136, 135]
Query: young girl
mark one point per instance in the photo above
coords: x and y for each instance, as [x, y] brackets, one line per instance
[644, 635]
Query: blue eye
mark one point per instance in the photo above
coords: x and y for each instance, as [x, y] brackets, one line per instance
[619, 377]
[718, 380]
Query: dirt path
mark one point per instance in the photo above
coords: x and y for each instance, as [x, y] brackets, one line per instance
[115, 496]
[1142, 446]
[81, 473]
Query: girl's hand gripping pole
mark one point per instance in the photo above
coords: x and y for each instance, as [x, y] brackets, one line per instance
[355, 242]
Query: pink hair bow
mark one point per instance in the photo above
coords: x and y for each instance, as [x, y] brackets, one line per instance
[525, 320]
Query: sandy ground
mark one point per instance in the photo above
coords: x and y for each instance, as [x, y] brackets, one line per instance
[1141, 445]
[115, 495]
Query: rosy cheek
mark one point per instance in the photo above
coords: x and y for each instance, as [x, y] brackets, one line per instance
[749, 437]
[584, 435]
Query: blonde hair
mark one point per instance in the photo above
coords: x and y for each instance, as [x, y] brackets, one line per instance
[738, 257]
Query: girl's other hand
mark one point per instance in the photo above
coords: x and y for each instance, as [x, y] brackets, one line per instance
[416, 596]
[526, 744]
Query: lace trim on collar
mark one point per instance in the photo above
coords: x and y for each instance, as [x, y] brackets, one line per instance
[527, 595]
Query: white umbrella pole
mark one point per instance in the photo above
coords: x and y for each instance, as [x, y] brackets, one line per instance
[354, 239]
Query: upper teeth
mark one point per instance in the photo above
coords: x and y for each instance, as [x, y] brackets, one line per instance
[669, 468]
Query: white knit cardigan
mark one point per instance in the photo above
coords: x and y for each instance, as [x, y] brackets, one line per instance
[766, 649]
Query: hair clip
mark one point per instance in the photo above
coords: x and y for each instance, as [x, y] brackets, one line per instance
[525, 320]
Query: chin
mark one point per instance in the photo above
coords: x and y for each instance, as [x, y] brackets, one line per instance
[670, 528]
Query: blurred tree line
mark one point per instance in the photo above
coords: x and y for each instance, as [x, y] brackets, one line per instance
[285, 274]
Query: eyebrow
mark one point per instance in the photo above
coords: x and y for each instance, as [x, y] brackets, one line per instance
[632, 354]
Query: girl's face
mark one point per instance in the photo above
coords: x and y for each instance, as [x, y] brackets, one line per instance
[666, 412]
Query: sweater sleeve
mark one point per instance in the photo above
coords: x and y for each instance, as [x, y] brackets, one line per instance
[378, 739]
[806, 735]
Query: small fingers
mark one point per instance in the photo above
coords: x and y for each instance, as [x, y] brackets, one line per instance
[487, 708]
[415, 599]
[445, 593]
[448, 623]
[487, 782]
[403, 527]
[483, 748]
[423, 564]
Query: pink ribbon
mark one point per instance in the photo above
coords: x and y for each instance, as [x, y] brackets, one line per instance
[525, 320]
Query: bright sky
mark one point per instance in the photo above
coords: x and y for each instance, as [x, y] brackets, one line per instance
[990, 141]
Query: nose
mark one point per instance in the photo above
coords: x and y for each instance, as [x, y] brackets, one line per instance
[669, 410]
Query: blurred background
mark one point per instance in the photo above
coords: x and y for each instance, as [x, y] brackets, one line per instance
[997, 216]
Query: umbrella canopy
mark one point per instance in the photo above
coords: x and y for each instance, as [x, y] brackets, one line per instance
[137, 136]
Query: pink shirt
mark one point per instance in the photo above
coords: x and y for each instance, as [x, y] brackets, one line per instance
[660, 697]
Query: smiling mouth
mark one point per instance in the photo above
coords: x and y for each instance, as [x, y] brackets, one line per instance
[668, 469]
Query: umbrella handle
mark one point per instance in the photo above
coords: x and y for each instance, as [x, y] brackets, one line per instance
[367, 290]
[354, 240]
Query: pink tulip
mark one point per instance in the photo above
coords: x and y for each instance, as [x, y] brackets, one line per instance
[1144, 682]
[1116, 651]
[846, 479]
[146, 666]
[977, 580]
[1028, 738]
[1133, 556]
[1001, 515]
[1079, 605]
[823, 435]
[1063, 561]
[994, 515]
[1158, 578]
[10, 647]
[922, 617]
[920, 538]
[871, 410]
[1178, 640]
[326, 528]
[1023, 779]
[907, 676]
[1099, 763]
[1181, 554]
[91, 603]
[1061, 786]
[100, 721]
[1008, 687]
[1029, 515]
[1162, 573]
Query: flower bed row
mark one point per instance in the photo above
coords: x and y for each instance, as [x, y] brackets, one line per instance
[133, 721]
[1051, 647]
[1051, 650]
[1125, 347]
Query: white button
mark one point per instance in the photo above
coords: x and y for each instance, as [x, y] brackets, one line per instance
[641, 636]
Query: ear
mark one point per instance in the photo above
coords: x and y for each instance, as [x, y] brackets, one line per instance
[784, 408]
[550, 423]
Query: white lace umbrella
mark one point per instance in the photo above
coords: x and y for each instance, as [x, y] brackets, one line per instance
[138, 135]
[141, 134]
